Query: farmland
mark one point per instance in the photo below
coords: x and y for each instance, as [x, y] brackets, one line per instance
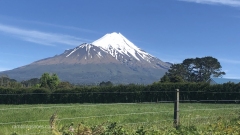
[34, 119]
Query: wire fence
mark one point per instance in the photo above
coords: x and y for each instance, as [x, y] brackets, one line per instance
[188, 113]
[121, 92]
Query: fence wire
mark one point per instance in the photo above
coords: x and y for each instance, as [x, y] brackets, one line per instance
[97, 116]
[140, 114]
[121, 92]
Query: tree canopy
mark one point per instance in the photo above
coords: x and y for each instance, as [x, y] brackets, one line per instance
[5, 81]
[49, 81]
[31, 82]
[194, 70]
[108, 83]
[64, 85]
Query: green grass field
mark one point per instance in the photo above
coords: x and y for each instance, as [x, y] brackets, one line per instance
[34, 119]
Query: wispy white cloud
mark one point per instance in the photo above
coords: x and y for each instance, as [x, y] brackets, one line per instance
[42, 38]
[230, 61]
[233, 3]
[65, 27]
[9, 18]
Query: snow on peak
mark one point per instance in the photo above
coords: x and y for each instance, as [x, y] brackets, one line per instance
[88, 47]
[115, 43]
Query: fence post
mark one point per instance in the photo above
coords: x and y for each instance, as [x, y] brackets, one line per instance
[176, 110]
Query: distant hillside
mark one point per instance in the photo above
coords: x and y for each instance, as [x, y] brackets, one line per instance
[110, 58]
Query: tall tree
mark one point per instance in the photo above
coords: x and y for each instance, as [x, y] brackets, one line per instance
[195, 70]
[44, 80]
[54, 81]
[49, 81]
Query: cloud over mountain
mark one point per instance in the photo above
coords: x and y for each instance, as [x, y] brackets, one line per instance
[233, 3]
[39, 37]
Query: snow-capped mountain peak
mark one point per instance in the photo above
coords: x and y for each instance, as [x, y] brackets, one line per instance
[115, 43]
[112, 57]
[112, 48]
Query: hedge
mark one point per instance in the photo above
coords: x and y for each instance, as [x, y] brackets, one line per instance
[122, 93]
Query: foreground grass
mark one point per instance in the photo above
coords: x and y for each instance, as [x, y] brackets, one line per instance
[34, 119]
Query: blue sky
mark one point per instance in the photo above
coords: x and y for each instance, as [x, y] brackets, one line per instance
[171, 30]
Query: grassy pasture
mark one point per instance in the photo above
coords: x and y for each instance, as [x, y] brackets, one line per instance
[34, 119]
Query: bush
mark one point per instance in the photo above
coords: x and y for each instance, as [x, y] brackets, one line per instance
[121, 93]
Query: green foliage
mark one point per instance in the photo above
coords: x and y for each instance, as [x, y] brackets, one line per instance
[64, 85]
[176, 79]
[153, 124]
[219, 128]
[194, 70]
[121, 93]
[14, 133]
[44, 80]
[24, 96]
[165, 79]
[114, 129]
[176, 71]
[14, 84]
[5, 81]
[141, 131]
[49, 81]
[108, 83]
[31, 82]
[54, 81]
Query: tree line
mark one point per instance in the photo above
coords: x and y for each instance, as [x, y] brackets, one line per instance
[47, 80]
[122, 93]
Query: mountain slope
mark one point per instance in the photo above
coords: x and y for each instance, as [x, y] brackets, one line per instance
[110, 58]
